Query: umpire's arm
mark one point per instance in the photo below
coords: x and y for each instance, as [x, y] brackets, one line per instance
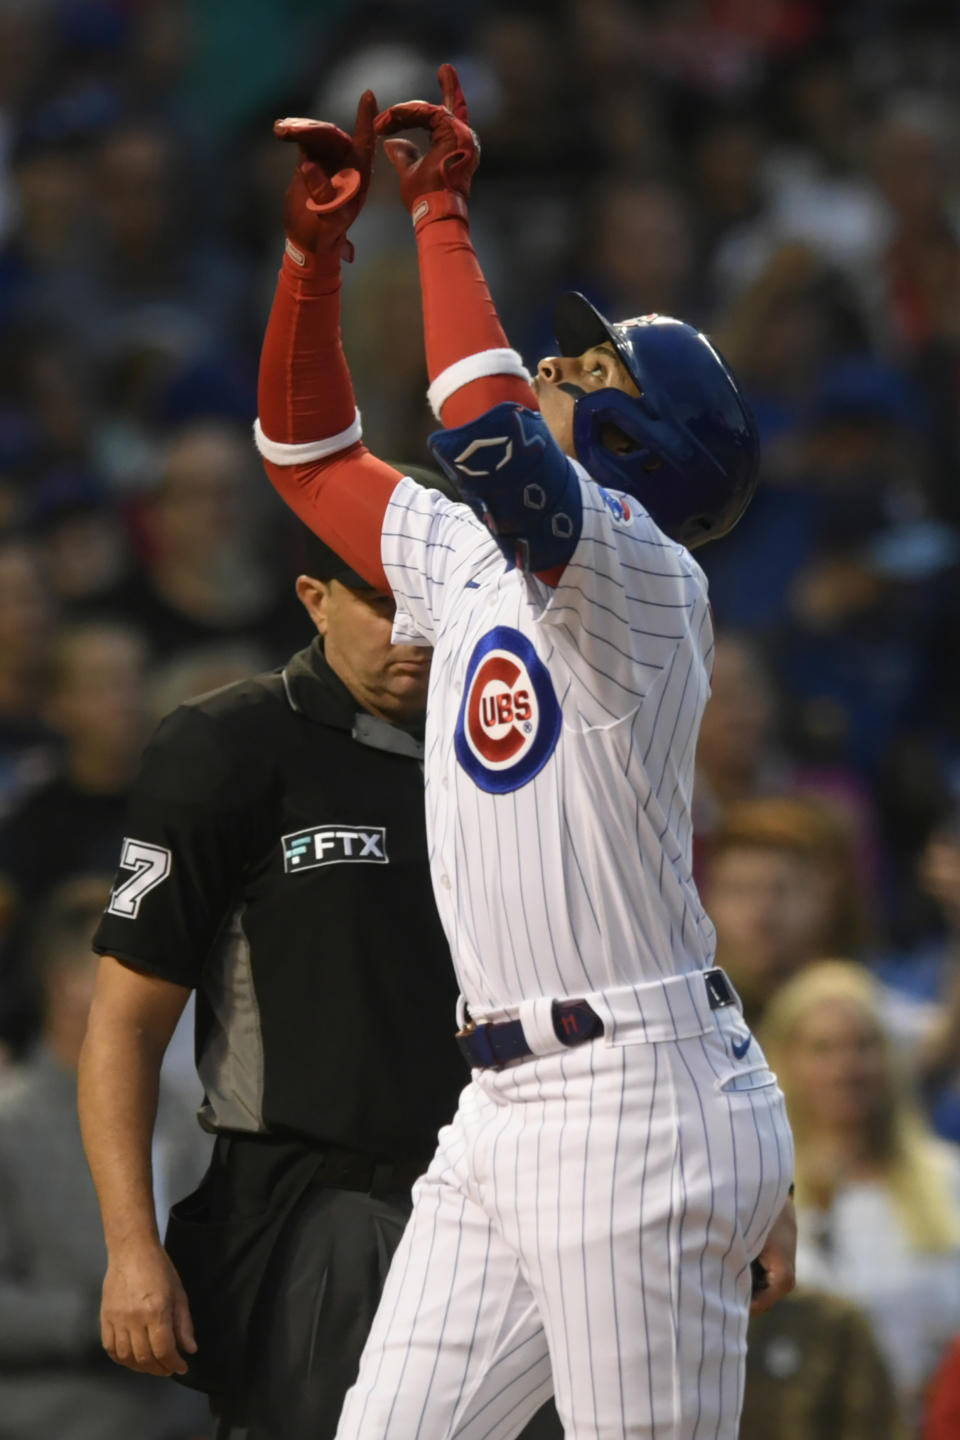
[144, 1316]
[180, 868]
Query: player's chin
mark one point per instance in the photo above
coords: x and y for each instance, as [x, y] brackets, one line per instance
[556, 407]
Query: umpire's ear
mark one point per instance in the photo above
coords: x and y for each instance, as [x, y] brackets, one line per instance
[314, 596]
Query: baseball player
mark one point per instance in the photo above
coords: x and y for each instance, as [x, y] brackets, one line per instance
[621, 1154]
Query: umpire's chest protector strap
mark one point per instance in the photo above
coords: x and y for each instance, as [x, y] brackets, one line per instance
[514, 476]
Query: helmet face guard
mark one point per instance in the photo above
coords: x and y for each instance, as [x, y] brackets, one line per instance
[694, 456]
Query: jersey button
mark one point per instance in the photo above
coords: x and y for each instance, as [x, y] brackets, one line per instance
[445, 881]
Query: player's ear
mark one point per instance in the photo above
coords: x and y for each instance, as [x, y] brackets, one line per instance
[314, 596]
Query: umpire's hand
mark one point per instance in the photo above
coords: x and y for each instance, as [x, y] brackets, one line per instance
[144, 1315]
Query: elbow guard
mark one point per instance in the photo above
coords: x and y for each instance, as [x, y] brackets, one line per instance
[512, 473]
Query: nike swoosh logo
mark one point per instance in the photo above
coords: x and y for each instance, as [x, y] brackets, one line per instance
[471, 585]
[740, 1047]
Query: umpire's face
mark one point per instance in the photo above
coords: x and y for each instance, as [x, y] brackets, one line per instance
[388, 680]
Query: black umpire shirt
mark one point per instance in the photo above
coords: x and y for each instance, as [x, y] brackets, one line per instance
[275, 858]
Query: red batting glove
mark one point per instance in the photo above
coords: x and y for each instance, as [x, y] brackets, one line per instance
[330, 182]
[435, 184]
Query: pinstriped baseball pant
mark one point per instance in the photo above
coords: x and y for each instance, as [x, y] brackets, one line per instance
[586, 1225]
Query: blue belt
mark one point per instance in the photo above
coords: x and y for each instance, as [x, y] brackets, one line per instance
[490, 1046]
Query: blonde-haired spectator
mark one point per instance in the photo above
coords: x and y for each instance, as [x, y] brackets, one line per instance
[878, 1196]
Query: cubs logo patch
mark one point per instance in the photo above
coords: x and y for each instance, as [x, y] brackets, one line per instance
[509, 721]
[617, 506]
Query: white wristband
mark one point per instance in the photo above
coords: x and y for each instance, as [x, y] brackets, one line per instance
[473, 367]
[281, 454]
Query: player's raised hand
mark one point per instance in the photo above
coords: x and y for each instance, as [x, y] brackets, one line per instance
[454, 152]
[331, 180]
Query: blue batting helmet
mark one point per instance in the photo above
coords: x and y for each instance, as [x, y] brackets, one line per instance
[697, 454]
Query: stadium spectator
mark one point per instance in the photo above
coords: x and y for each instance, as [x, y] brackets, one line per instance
[782, 888]
[72, 822]
[80, 539]
[742, 752]
[206, 576]
[142, 270]
[923, 986]
[878, 1197]
[815, 1372]
[95, 704]
[942, 1408]
[912, 164]
[737, 758]
[26, 628]
[54, 1379]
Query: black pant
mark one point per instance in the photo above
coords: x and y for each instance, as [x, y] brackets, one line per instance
[283, 1251]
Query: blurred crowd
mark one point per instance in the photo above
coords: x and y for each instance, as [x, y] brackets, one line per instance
[784, 173]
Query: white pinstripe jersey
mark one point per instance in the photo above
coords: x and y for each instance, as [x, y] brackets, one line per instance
[561, 730]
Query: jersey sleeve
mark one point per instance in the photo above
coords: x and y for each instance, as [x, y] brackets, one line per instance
[182, 856]
[628, 598]
[430, 548]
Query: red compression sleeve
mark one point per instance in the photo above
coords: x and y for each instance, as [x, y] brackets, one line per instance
[343, 500]
[305, 395]
[460, 319]
[305, 392]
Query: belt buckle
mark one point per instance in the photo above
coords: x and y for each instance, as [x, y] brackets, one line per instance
[475, 1046]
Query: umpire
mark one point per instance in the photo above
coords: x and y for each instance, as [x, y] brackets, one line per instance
[275, 861]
